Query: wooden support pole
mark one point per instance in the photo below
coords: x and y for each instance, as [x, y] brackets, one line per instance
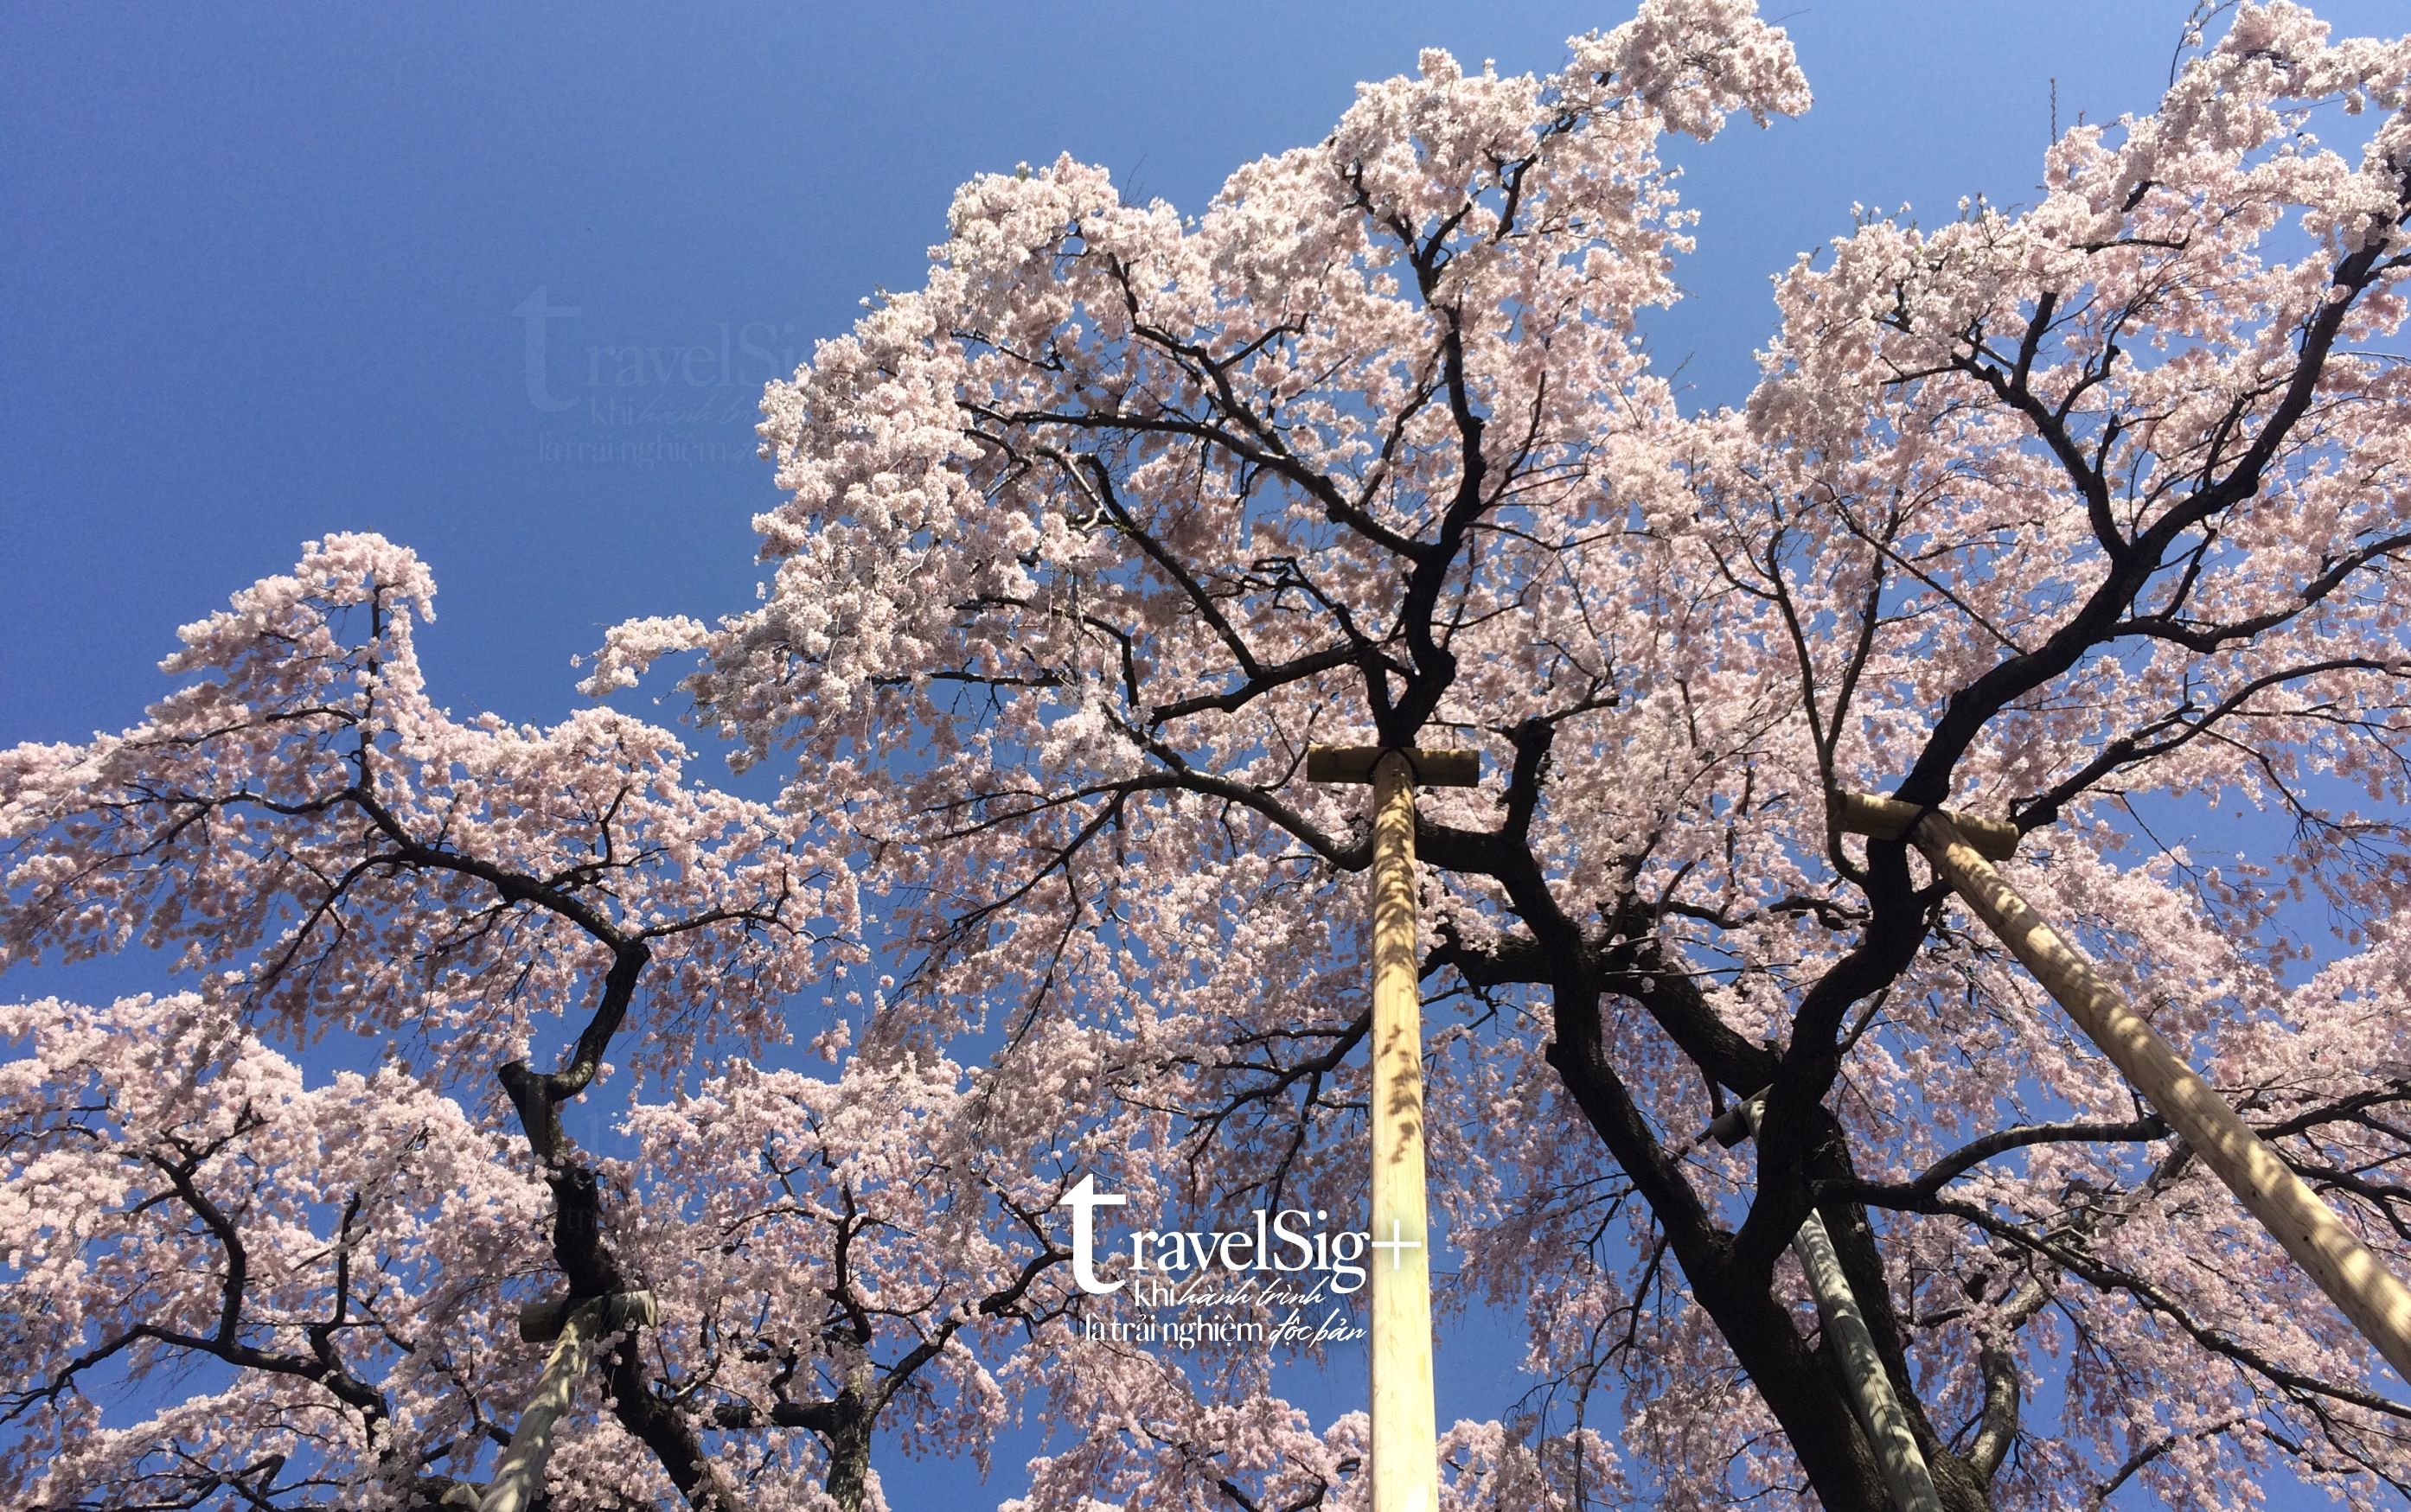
[2369, 1295]
[1405, 1427]
[518, 1475]
[1873, 1401]
[1405, 1448]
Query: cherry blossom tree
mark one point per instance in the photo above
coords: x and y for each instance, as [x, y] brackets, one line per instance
[316, 1290]
[314, 1285]
[2087, 515]
[345, 1250]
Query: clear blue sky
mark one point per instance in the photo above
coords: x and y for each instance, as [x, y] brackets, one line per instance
[266, 277]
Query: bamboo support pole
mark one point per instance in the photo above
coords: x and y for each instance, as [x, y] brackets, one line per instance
[518, 1475]
[1873, 1401]
[1405, 1448]
[2369, 1295]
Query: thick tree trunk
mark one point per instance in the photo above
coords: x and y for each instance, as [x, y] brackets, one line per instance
[849, 1450]
[592, 1269]
[1804, 1393]
[1803, 1389]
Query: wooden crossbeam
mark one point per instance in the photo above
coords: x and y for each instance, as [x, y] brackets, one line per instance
[1888, 819]
[1430, 768]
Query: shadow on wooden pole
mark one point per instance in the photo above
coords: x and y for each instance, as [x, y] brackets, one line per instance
[2369, 1295]
[1405, 1448]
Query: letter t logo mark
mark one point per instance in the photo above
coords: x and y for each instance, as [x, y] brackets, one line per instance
[1084, 1201]
[536, 310]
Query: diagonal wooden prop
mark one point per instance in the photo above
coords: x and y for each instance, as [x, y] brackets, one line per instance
[1405, 1448]
[518, 1475]
[2370, 1295]
[1906, 1473]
